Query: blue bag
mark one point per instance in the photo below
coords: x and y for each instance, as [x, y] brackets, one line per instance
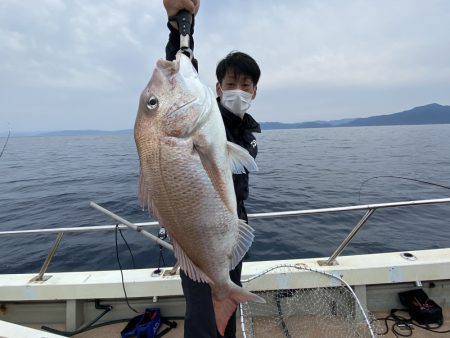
[143, 326]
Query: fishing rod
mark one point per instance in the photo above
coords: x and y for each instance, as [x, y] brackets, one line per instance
[402, 178]
[6, 142]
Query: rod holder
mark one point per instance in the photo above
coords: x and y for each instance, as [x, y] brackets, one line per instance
[40, 277]
[343, 245]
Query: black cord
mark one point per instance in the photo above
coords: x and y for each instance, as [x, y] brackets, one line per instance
[86, 327]
[424, 327]
[107, 308]
[402, 178]
[399, 322]
[129, 249]
[121, 272]
[161, 257]
[404, 324]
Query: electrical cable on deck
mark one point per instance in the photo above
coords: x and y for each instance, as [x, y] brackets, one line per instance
[404, 324]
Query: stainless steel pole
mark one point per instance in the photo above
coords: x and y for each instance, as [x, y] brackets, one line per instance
[350, 236]
[131, 225]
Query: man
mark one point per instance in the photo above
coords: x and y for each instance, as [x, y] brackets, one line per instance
[237, 78]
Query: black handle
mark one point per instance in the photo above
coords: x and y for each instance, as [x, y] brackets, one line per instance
[184, 21]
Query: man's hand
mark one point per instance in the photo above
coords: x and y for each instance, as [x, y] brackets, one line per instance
[174, 6]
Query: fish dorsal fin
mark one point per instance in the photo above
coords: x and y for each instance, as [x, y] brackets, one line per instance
[189, 268]
[244, 242]
[240, 159]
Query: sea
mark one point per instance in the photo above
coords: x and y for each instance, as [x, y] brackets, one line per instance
[48, 182]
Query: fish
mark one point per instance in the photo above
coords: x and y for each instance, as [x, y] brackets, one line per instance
[186, 166]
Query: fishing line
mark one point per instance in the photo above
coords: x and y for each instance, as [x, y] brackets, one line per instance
[6, 142]
[402, 178]
[120, 267]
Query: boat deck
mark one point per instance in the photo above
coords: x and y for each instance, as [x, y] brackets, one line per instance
[114, 330]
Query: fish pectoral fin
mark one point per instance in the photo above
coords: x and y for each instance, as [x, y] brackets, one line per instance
[245, 240]
[190, 269]
[215, 175]
[142, 191]
[240, 159]
[145, 197]
[224, 308]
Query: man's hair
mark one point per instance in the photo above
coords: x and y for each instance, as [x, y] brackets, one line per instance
[240, 64]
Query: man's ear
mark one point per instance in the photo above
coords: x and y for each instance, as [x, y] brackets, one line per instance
[254, 93]
[218, 89]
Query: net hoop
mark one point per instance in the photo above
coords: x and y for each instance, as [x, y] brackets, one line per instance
[303, 267]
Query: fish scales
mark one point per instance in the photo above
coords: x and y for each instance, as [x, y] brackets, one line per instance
[186, 180]
[196, 205]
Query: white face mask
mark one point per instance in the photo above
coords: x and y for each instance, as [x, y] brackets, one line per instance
[237, 101]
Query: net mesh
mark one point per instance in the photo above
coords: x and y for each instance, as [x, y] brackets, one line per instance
[331, 310]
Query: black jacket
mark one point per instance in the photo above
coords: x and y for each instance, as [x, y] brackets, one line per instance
[238, 131]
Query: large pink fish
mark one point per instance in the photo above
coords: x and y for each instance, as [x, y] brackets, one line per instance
[186, 168]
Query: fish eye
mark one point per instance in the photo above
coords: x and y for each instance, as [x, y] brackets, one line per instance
[152, 102]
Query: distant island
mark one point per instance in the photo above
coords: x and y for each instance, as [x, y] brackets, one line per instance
[90, 132]
[429, 114]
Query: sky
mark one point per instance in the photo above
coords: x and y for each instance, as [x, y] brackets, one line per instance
[82, 64]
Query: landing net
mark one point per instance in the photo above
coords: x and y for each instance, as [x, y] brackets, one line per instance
[330, 310]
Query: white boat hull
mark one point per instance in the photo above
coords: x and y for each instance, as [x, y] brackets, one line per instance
[68, 298]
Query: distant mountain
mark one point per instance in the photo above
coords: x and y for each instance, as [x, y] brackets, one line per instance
[429, 114]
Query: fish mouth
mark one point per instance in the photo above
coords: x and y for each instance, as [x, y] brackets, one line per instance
[168, 68]
[183, 106]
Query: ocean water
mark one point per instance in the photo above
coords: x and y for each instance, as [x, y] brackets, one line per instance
[48, 182]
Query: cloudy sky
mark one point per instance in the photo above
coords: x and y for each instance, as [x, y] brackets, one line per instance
[68, 64]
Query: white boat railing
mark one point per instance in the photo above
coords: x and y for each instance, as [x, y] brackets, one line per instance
[124, 224]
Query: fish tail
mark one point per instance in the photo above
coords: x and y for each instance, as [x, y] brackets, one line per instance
[224, 308]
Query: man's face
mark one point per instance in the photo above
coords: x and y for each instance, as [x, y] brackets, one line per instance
[231, 81]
